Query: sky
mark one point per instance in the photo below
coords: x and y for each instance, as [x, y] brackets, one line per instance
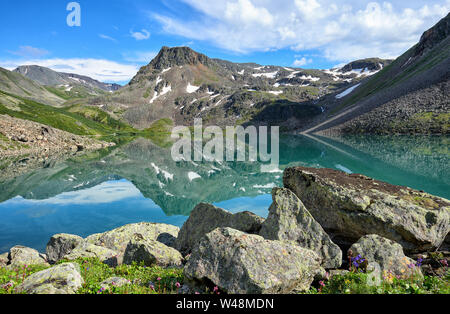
[116, 37]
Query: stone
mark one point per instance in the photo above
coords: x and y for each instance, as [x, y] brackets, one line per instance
[386, 253]
[240, 263]
[118, 239]
[151, 252]
[60, 279]
[87, 250]
[4, 260]
[19, 256]
[205, 218]
[61, 245]
[289, 220]
[114, 282]
[351, 206]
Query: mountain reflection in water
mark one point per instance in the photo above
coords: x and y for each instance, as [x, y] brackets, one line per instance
[140, 182]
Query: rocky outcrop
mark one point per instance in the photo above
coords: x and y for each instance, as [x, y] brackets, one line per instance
[240, 263]
[151, 252]
[61, 245]
[289, 220]
[4, 260]
[118, 239]
[61, 279]
[20, 256]
[386, 253]
[23, 137]
[205, 218]
[87, 250]
[351, 206]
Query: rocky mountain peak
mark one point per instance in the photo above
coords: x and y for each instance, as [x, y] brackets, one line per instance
[434, 36]
[370, 64]
[177, 56]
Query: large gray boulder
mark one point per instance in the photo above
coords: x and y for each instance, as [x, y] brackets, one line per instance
[386, 253]
[60, 245]
[289, 220]
[240, 263]
[60, 279]
[351, 206]
[118, 239]
[206, 217]
[151, 252]
[20, 256]
[87, 250]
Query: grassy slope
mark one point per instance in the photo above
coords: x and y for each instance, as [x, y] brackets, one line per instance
[76, 120]
[84, 120]
[394, 74]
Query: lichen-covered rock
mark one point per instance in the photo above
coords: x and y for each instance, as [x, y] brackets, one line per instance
[118, 239]
[205, 218]
[114, 282]
[151, 252]
[87, 250]
[4, 260]
[351, 206]
[289, 220]
[19, 256]
[240, 263]
[386, 253]
[60, 245]
[60, 279]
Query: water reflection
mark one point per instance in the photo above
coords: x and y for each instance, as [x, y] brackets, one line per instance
[140, 182]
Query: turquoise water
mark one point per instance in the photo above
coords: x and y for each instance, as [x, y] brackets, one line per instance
[140, 182]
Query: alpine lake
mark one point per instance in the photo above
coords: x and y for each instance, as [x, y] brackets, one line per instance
[139, 181]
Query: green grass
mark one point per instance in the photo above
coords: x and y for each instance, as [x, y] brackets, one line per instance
[358, 283]
[143, 280]
[159, 133]
[157, 280]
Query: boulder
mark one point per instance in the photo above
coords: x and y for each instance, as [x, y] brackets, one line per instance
[61, 245]
[4, 260]
[240, 263]
[351, 206]
[60, 279]
[114, 282]
[19, 256]
[118, 239]
[151, 252]
[386, 253]
[87, 250]
[205, 218]
[289, 220]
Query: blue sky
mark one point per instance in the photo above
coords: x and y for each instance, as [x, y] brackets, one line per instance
[116, 37]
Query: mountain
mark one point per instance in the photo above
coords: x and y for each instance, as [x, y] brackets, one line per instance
[181, 84]
[66, 85]
[409, 96]
[16, 84]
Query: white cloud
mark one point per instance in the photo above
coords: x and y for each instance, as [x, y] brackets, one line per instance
[142, 35]
[107, 37]
[28, 51]
[99, 69]
[342, 30]
[302, 62]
